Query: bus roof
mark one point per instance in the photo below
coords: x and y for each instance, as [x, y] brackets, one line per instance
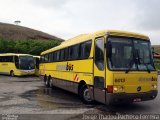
[86, 37]
[36, 56]
[14, 54]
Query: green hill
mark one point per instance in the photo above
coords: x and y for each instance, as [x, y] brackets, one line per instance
[16, 32]
[19, 39]
[156, 48]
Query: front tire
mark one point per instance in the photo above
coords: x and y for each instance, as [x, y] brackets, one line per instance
[12, 73]
[85, 95]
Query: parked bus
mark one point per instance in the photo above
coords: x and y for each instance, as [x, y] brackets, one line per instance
[107, 66]
[37, 60]
[17, 64]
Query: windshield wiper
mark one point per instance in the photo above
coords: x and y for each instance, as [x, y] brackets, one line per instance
[146, 64]
[130, 65]
[136, 60]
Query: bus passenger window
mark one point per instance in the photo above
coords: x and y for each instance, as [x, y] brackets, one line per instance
[62, 55]
[66, 53]
[46, 57]
[37, 63]
[70, 49]
[50, 57]
[58, 56]
[42, 59]
[55, 56]
[85, 49]
[73, 52]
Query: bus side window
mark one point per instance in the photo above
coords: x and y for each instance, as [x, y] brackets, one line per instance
[85, 49]
[48, 55]
[50, 59]
[37, 63]
[62, 55]
[10, 59]
[99, 53]
[66, 53]
[42, 59]
[1, 59]
[55, 56]
[73, 52]
[46, 58]
[6, 59]
[70, 51]
[58, 56]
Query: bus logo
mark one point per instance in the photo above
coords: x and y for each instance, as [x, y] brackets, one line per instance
[139, 89]
[69, 67]
[148, 79]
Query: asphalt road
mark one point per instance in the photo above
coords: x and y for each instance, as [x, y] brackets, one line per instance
[24, 98]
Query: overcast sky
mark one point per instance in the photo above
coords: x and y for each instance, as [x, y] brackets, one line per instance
[68, 18]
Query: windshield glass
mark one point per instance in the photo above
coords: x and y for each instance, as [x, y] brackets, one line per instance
[26, 62]
[130, 54]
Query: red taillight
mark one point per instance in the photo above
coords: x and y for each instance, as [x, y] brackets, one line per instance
[110, 89]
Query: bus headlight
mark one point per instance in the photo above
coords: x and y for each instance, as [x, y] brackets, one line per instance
[115, 88]
[121, 88]
[118, 88]
[154, 86]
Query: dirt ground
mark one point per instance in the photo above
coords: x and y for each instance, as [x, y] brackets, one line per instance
[25, 98]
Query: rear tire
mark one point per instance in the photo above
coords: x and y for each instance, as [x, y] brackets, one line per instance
[85, 95]
[46, 82]
[12, 73]
[50, 83]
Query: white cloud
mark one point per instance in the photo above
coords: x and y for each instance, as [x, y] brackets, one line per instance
[68, 18]
[148, 16]
[50, 3]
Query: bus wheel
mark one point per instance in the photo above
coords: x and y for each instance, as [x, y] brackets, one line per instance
[50, 83]
[85, 95]
[44, 79]
[12, 73]
[47, 82]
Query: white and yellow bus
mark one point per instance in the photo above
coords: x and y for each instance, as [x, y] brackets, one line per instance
[17, 64]
[37, 61]
[107, 66]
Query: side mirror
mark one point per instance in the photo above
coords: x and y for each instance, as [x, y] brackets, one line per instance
[109, 49]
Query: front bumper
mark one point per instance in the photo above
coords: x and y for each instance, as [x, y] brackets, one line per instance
[117, 98]
[25, 72]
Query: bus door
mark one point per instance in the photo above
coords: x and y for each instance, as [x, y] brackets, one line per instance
[16, 60]
[99, 70]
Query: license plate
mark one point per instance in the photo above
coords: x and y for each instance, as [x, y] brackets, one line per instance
[137, 100]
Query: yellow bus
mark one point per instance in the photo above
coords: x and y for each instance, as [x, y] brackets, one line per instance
[37, 60]
[17, 64]
[108, 66]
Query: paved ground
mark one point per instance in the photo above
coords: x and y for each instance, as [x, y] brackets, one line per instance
[27, 98]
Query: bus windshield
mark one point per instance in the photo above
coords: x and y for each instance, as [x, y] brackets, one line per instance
[26, 62]
[130, 54]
